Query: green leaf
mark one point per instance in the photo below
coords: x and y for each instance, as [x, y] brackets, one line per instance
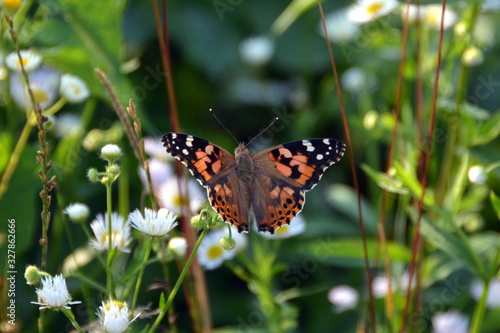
[458, 248]
[163, 302]
[488, 131]
[343, 199]
[495, 202]
[411, 182]
[387, 183]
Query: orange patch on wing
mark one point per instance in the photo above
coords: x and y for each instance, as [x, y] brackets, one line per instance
[285, 170]
[227, 191]
[303, 179]
[285, 152]
[300, 158]
[216, 166]
[275, 192]
[289, 190]
[206, 175]
[201, 155]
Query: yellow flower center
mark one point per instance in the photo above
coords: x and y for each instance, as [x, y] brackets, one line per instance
[12, 4]
[115, 237]
[215, 252]
[374, 8]
[40, 95]
[75, 88]
[282, 230]
[121, 305]
[24, 62]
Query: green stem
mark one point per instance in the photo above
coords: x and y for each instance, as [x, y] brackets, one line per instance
[477, 319]
[71, 317]
[149, 245]
[179, 281]
[109, 271]
[14, 158]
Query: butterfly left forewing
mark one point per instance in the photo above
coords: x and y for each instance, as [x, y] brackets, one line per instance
[285, 173]
[213, 167]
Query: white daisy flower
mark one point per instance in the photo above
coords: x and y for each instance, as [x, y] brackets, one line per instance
[478, 175]
[296, 227]
[452, 321]
[343, 298]
[77, 212]
[354, 80]
[120, 229]
[153, 223]
[211, 254]
[44, 83]
[73, 88]
[404, 279]
[340, 28]
[363, 11]
[30, 60]
[114, 316]
[160, 172]
[431, 16]
[169, 197]
[257, 51]
[54, 294]
[493, 297]
[178, 245]
[68, 124]
[380, 286]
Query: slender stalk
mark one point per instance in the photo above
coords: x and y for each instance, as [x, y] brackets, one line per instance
[183, 274]
[109, 262]
[149, 245]
[71, 317]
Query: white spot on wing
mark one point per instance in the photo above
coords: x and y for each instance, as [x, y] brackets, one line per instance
[174, 135]
[319, 157]
[326, 141]
[189, 141]
[185, 152]
[308, 145]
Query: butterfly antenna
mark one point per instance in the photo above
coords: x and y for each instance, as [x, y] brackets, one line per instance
[263, 131]
[224, 127]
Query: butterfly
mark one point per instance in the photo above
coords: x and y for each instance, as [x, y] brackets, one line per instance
[267, 188]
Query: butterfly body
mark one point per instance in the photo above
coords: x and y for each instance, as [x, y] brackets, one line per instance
[268, 186]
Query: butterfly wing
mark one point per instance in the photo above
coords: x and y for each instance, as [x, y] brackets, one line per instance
[285, 173]
[213, 167]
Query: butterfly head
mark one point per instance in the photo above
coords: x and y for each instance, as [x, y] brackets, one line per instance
[241, 150]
